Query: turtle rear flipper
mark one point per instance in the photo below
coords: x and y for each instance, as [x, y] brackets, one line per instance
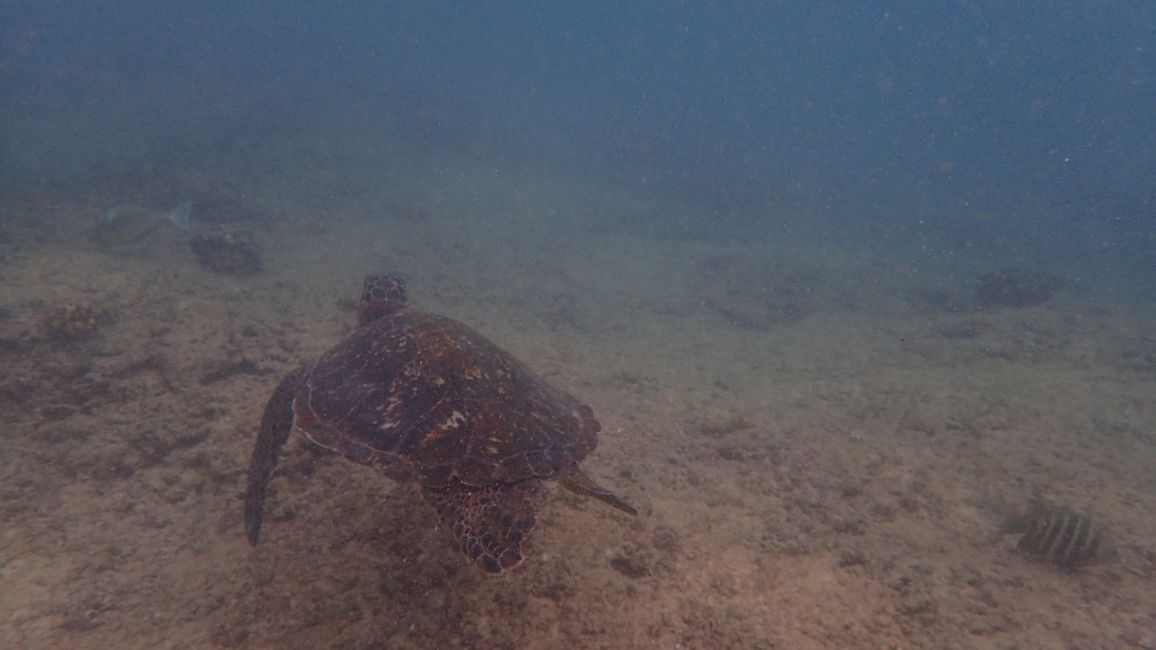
[276, 425]
[574, 480]
[489, 523]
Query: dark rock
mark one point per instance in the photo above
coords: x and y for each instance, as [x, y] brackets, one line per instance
[229, 369]
[630, 567]
[227, 251]
[1014, 287]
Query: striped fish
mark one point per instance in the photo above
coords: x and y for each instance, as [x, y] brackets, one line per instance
[1067, 539]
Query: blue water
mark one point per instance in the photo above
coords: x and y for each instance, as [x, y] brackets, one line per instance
[1022, 130]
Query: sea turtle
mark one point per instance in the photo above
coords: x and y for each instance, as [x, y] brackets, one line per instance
[425, 398]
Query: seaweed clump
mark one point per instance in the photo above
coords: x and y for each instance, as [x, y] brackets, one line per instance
[1015, 287]
[227, 251]
[73, 321]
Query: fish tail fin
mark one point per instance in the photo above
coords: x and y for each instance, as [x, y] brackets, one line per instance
[181, 215]
[1020, 522]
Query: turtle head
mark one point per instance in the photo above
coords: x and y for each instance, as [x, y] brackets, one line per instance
[381, 295]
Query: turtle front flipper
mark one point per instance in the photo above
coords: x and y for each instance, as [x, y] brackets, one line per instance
[489, 523]
[276, 425]
[574, 480]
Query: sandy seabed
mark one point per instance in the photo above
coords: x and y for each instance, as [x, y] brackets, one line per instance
[822, 443]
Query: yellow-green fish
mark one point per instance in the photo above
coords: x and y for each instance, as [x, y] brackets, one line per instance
[126, 224]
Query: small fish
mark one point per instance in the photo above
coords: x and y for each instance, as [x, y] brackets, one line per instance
[126, 224]
[1064, 538]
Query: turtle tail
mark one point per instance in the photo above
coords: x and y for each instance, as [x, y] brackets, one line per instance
[275, 427]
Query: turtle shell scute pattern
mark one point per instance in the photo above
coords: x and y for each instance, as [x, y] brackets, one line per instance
[425, 398]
